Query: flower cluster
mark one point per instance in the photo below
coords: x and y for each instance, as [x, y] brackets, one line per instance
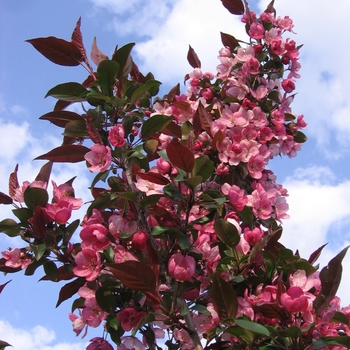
[183, 242]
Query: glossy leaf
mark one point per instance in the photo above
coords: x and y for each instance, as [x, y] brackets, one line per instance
[153, 177]
[71, 92]
[135, 275]
[44, 173]
[204, 167]
[66, 154]
[35, 197]
[68, 290]
[230, 41]
[61, 118]
[107, 72]
[76, 129]
[224, 298]
[23, 214]
[151, 146]
[180, 156]
[51, 271]
[235, 7]
[58, 51]
[192, 58]
[122, 57]
[143, 89]
[330, 277]
[154, 125]
[227, 232]
[5, 199]
[252, 326]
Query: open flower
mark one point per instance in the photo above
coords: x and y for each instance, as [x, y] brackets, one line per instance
[99, 158]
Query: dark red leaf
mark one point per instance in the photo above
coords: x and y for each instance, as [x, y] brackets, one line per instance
[175, 91]
[44, 173]
[192, 58]
[180, 156]
[58, 51]
[154, 178]
[66, 154]
[38, 223]
[7, 269]
[92, 131]
[230, 41]
[61, 105]
[5, 199]
[69, 289]
[2, 286]
[173, 129]
[270, 8]
[136, 74]
[201, 120]
[61, 118]
[77, 39]
[235, 7]
[135, 275]
[315, 255]
[13, 182]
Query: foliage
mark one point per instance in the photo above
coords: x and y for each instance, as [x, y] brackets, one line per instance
[181, 238]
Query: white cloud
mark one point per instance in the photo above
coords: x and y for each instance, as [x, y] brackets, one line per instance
[38, 338]
[320, 213]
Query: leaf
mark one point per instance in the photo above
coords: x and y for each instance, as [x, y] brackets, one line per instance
[66, 154]
[44, 173]
[330, 277]
[123, 58]
[38, 223]
[68, 290]
[71, 92]
[13, 182]
[202, 120]
[5, 199]
[252, 326]
[2, 286]
[340, 317]
[3, 344]
[76, 129]
[153, 177]
[58, 51]
[204, 167]
[192, 58]
[316, 254]
[151, 146]
[270, 8]
[107, 72]
[230, 41]
[331, 341]
[51, 271]
[227, 232]
[35, 197]
[235, 7]
[62, 275]
[143, 89]
[224, 298]
[180, 156]
[299, 137]
[105, 299]
[135, 275]
[96, 55]
[23, 214]
[77, 39]
[154, 125]
[61, 118]
[175, 91]
[172, 129]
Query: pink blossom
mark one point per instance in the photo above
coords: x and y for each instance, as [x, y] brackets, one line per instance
[120, 223]
[148, 187]
[60, 211]
[131, 343]
[253, 236]
[256, 165]
[94, 236]
[19, 192]
[294, 300]
[277, 46]
[130, 318]
[288, 85]
[237, 197]
[65, 192]
[116, 136]
[99, 343]
[99, 158]
[121, 255]
[78, 324]
[251, 66]
[181, 267]
[92, 313]
[16, 258]
[139, 240]
[256, 31]
[88, 264]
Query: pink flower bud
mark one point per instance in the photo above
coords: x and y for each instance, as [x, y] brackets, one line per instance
[139, 240]
[163, 166]
[288, 85]
[116, 136]
[181, 267]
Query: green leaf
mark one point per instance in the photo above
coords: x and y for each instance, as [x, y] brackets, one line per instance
[51, 271]
[172, 232]
[299, 137]
[143, 89]
[252, 326]
[172, 192]
[331, 341]
[75, 129]
[154, 124]
[130, 196]
[71, 92]
[291, 332]
[39, 250]
[35, 197]
[122, 57]
[204, 167]
[10, 227]
[227, 232]
[105, 299]
[107, 72]
[150, 146]
[224, 298]
[150, 200]
[69, 231]
[340, 317]
[193, 182]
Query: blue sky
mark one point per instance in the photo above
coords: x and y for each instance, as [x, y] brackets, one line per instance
[318, 179]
